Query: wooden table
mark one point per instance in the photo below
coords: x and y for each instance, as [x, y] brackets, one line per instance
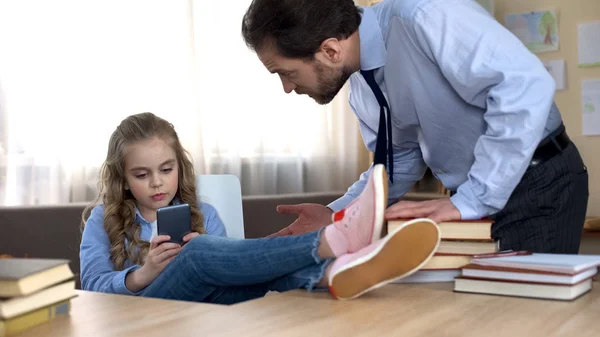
[97, 314]
[394, 310]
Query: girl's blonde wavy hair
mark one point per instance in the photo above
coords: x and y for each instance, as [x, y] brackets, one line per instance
[120, 205]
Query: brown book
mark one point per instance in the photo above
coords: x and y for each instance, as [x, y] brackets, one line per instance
[22, 276]
[522, 289]
[447, 261]
[456, 230]
[470, 247]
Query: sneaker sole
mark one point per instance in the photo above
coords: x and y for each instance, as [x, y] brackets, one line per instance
[381, 195]
[402, 252]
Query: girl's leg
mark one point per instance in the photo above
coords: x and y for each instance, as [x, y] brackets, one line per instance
[208, 263]
[399, 254]
[307, 278]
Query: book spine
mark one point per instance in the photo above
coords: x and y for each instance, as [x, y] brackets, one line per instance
[447, 237]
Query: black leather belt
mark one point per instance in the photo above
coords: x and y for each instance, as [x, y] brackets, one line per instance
[550, 146]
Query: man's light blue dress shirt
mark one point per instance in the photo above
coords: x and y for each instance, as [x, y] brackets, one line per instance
[467, 99]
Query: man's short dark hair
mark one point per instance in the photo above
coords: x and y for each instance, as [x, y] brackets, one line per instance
[298, 27]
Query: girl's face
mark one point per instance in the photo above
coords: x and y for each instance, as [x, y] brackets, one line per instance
[151, 174]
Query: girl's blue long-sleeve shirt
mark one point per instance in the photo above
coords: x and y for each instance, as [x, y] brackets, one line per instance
[97, 270]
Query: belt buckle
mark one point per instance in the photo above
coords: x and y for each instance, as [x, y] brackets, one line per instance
[534, 162]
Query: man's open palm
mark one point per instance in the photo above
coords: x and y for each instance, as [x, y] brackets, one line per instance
[311, 217]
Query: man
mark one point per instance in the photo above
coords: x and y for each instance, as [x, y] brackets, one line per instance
[464, 97]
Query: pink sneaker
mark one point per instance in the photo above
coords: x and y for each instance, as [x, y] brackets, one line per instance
[397, 255]
[361, 222]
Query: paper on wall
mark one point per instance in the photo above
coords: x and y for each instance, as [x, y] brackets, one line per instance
[589, 44]
[590, 107]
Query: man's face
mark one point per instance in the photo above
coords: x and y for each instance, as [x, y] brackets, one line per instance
[313, 78]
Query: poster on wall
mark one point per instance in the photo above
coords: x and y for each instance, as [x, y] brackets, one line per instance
[488, 5]
[590, 107]
[589, 44]
[537, 30]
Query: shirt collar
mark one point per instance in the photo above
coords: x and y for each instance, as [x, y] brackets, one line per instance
[139, 218]
[372, 46]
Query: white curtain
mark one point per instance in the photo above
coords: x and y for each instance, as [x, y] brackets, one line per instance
[71, 70]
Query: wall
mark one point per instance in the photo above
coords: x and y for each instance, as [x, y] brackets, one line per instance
[569, 14]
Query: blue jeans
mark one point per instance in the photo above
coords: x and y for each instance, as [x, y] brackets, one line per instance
[226, 271]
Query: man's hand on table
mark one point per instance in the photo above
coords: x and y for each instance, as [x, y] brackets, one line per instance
[438, 210]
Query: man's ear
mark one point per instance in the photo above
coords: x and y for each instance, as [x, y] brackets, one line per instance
[330, 51]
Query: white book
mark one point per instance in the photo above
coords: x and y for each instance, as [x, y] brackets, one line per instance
[546, 291]
[558, 263]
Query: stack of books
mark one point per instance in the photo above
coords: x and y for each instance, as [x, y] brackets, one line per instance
[33, 291]
[547, 276]
[460, 242]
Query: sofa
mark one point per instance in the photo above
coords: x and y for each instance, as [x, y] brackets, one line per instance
[54, 231]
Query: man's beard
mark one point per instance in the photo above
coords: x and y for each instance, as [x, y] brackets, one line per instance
[330, 82]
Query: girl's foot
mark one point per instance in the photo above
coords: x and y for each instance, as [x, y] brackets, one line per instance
[399, 254]
[361, 222]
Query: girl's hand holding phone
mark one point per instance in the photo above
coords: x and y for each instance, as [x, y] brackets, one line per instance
[161, 253]
[190, 236]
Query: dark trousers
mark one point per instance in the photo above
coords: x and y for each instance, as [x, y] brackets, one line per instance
[547, 209]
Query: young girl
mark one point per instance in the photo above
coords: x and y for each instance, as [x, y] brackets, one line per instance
[147, 168]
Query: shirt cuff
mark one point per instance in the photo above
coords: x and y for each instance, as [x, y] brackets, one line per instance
[340, 203]
[119, 282]
[468, 204]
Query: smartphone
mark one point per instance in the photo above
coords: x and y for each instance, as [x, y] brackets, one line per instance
[175, 221]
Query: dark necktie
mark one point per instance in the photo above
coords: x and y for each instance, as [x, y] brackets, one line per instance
[384, 133]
